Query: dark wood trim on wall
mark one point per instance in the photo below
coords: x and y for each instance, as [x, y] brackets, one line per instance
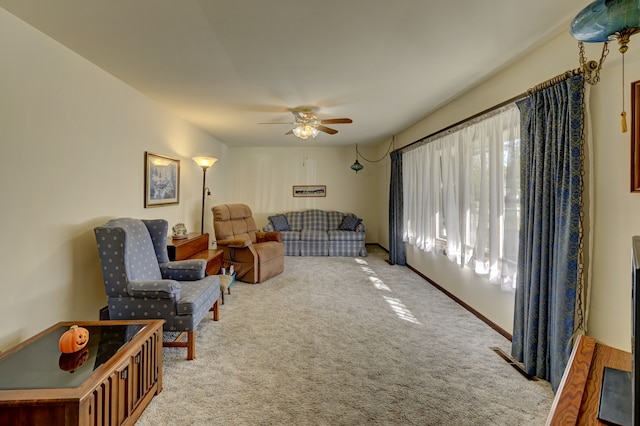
[484, 319]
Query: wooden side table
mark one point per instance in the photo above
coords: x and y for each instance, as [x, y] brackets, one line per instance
[195, 246]
[213, 258]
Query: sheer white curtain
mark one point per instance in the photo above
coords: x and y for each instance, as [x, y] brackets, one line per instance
[461, 195]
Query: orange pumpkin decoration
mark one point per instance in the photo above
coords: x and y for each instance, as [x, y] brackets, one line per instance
[74, 339]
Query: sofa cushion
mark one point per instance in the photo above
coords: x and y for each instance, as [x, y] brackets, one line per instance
[308, 235]
[295, 220]
[334, 219]
[338, 235]
[315, 220]
[196, 293]
[290, 235]
[280, 223]
[159, 289]
[349, 223]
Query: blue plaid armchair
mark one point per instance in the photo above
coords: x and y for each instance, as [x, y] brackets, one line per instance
[141, 283]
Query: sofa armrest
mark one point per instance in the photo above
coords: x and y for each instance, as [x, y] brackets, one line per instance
[361, 228]
[234, 242]
[269, 236]
[162, 289]
[184, 270]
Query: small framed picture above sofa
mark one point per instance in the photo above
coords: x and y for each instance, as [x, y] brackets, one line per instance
[309, 190]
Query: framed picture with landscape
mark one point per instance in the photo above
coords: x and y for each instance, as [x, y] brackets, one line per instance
[161, 180]
[635, 136]
[310, 190]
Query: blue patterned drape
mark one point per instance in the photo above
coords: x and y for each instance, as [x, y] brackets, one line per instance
[549, 258]
[396, 245]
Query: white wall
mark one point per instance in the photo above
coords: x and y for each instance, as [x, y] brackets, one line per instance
[263, 178]
[616, 210]
[72, 141]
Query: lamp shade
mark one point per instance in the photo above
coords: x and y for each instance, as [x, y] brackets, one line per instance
[356, 166]
[205, 162]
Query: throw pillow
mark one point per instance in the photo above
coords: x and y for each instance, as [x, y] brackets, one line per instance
[280, 223]
[349, 223]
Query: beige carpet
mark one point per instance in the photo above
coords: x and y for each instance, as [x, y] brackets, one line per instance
[345, 341]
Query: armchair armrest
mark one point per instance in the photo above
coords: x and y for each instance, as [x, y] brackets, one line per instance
[162, 289]
[234, 242]
[184, 270]
[269, 236]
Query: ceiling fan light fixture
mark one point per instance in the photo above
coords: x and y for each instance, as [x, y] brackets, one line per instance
[305, 131]
[308, 125]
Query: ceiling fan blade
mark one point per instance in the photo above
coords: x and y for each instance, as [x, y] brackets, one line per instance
[290, 132]
[337, 121]
[327, 130]
[277, 123]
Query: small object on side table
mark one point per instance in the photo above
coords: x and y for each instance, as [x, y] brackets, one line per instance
[179, 231]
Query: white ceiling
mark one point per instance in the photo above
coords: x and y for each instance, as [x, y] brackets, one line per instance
[227, 65]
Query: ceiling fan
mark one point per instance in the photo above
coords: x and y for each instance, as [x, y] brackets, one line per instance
[307, 124]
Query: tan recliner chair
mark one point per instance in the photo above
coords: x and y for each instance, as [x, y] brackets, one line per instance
[255, 255]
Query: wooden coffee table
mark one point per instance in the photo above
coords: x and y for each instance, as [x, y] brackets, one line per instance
[109, 381]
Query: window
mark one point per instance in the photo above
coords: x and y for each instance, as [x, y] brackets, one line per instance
[461, 195]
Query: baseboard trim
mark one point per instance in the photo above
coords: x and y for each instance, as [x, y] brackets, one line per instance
[460, 302]
[512, 362]
[377, 245]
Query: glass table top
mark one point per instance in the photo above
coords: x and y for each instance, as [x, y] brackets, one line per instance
[41, 365]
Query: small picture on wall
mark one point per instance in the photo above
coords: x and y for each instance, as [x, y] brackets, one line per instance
[310, 190]
[161, 180]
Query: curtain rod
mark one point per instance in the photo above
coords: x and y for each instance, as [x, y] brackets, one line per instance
[555, 80]
[544, 85]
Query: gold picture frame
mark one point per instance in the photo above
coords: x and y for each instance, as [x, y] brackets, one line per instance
[161, 180]
[635, 136]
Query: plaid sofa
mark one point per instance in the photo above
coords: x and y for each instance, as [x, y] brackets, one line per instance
[319, 233]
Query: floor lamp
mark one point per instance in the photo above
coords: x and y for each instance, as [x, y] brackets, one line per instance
[205, 163]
